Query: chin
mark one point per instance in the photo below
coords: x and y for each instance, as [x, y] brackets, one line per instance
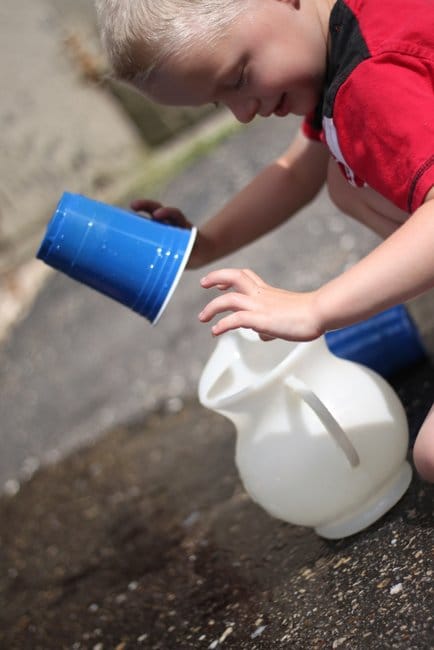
[309, 107]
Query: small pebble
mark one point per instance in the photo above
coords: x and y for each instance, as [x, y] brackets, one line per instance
[258, 631]
[121, 598]
[225, 634]
[30, 466]
[11, 487]
[192, 518]
[174, 405]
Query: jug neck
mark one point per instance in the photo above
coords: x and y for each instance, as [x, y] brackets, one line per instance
[242, 367]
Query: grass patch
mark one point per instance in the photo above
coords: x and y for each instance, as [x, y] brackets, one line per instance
[158, 168]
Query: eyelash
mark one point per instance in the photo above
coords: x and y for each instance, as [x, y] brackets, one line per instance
[242, 79]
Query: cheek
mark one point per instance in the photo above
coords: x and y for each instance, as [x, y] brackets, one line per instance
[271, 79]
[275, 75]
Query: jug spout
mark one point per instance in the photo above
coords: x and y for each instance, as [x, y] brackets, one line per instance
[221, 391]
[223, 387]
[240, 365]
[217, 381]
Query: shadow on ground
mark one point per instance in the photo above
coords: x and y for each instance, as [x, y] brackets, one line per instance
[146, 539]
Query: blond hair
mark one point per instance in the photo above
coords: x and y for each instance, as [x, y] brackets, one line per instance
[138, 34]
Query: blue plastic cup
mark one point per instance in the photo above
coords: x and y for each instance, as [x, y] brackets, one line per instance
[129, 258]
[387, 342]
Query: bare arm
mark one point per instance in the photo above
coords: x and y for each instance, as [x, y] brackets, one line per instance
[399, 268]
[276, 194]
[273, 196]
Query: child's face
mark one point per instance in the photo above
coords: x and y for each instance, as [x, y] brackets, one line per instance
[271, 60]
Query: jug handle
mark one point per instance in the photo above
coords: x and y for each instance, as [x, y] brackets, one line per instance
[327, 419]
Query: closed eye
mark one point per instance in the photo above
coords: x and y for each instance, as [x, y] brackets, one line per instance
[241, 81]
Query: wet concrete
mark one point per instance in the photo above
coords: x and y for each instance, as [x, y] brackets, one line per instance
[147, 539]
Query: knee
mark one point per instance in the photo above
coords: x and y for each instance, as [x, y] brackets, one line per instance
[424, 464]
[423, 451]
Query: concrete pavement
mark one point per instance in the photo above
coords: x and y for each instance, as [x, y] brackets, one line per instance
[138, 534]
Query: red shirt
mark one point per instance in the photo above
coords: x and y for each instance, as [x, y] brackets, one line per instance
[377, 112]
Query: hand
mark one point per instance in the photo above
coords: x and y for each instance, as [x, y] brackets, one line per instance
[271, 312]
[161, 213]
[174, 217]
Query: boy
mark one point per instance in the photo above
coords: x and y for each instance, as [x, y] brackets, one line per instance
[362, 74]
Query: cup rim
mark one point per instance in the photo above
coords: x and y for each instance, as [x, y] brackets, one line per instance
[188, 249]
[51, 233]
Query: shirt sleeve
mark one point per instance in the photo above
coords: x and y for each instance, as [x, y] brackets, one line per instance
[310, 129]
[384, 118]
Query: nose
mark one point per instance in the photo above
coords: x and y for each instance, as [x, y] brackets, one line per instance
[244, 109]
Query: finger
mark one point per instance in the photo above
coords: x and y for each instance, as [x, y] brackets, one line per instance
[266, 337]
[239, 319]
[145, 205]
[172, 216]
[255, 277]
[237, 279]
[222, 287]
[226, 302]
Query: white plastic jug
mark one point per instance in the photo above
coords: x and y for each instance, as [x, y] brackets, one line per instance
[321, 441]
